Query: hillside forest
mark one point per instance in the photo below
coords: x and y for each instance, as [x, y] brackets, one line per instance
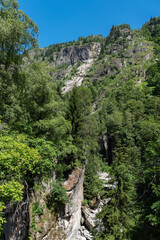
[110, 123]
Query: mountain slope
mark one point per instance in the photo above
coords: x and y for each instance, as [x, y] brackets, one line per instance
[80, 139]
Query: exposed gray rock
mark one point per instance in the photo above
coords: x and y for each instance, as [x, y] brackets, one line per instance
[118, 32]
[71, 222]
[89, 220]
[87, 55]
[77, 80]
[90, 216]
[84, 234]
[71, 55]
[105, 177]
[46, 223]
[17, 221]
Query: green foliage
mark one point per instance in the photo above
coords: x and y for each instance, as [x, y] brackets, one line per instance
[17, 33]
[129, 116]
[17, 158]
[153, 78]
[117, 215]
[36, 210]
[151, 30]
[55, 133]
[12, 190]
[57, 198]
[18, 162]
[48, 152]
[154, 217]
[85, 133]
[89, 39]
[46, 110]
[117, 32]
[2, 219]
[79, 106]
[92, 185]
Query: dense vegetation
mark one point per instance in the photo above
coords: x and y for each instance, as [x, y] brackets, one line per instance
[42, 131]
[151, 30]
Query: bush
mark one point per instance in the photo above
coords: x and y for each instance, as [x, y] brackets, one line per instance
[57, 198]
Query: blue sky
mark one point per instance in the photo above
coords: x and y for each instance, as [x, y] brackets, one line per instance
[66, 20]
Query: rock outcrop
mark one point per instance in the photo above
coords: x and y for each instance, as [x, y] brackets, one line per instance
[33, 218]
[17, 221]
[71, 221]
[44, 223]
[65, 59]
[91, 53]
[72, 55]
[80, 220]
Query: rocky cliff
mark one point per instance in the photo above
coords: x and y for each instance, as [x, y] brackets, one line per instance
[33, 218]
[70, 63]
[122, 56]
[91, 54]
[17, 219]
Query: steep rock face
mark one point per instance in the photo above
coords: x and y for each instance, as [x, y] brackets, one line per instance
[87, 55]
[90, 213]
[107, 148]
[72, 219]
[89, 220]
[125, 55]
[79, 221]
[33, 218]
[44, 224]
[72, 55]
[80, 57]
[17, 221]
[78, 78]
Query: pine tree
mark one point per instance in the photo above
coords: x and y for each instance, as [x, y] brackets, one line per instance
[117, 215]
